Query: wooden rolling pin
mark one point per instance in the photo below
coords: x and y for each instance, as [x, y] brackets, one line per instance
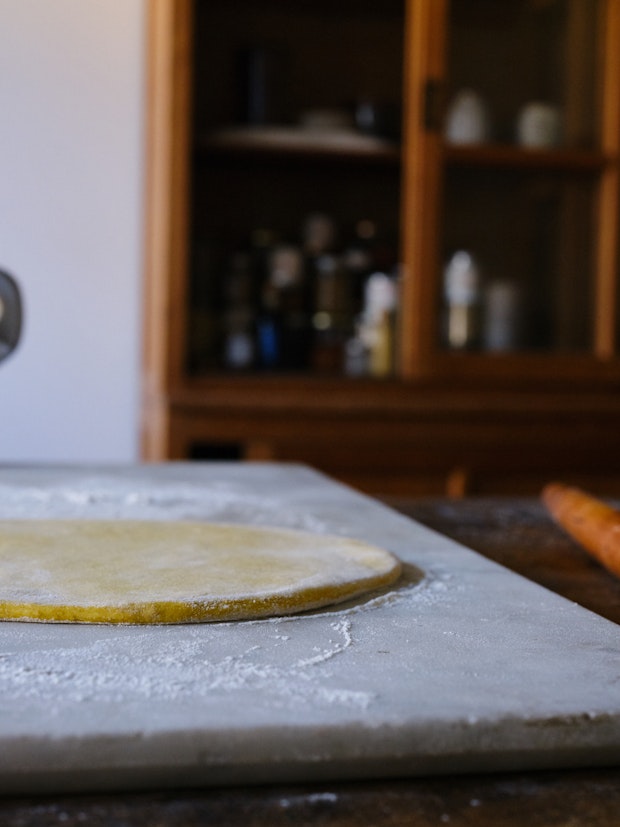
[592, 523]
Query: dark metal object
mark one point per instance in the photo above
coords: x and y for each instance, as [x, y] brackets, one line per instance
[10, 314]
[260, 85]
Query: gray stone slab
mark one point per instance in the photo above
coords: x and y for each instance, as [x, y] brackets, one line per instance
[469, 668]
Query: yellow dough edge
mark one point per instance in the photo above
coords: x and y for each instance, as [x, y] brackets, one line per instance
[198, 611]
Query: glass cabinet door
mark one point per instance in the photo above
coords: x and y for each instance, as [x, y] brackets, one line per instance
[522, 219]
[295, 186]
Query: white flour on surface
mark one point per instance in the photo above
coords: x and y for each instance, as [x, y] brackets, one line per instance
[126, 499]
[281, 660]
[186, 664]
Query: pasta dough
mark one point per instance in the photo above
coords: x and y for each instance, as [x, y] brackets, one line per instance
[176, 572]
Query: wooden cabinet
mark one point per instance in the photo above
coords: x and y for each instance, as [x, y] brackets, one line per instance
[469, 152]
[542, 219]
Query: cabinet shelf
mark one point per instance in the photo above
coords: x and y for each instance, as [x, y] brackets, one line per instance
[527, 368]
[289, 143]
[508, 157]
[358, 397]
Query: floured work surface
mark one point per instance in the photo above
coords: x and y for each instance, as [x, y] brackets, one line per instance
[459, 666]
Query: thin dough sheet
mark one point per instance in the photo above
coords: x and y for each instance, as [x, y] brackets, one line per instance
[177, 572]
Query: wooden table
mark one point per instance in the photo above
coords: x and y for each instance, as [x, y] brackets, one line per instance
[515, 533]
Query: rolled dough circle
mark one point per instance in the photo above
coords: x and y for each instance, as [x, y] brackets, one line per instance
[143, 572]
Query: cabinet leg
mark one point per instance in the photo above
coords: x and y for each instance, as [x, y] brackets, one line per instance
[458, 483]
[259, 451]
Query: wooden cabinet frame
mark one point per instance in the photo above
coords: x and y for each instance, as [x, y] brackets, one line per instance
[459, 421]
[168, 154]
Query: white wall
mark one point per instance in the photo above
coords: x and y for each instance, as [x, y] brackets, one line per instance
[71, 112]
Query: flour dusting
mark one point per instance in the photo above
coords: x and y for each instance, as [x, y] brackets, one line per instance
[182, 665]
[279, 662]
[98, 498]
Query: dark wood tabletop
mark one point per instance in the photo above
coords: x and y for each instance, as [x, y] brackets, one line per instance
[519, 535]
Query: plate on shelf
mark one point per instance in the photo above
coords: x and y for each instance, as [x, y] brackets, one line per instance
[295, 138]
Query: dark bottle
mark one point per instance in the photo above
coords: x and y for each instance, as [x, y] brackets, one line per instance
[268, 317]
[287, 278]
[260, 77]
[239, 339]
[332, 319]
[269, 330]
[359, 260]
